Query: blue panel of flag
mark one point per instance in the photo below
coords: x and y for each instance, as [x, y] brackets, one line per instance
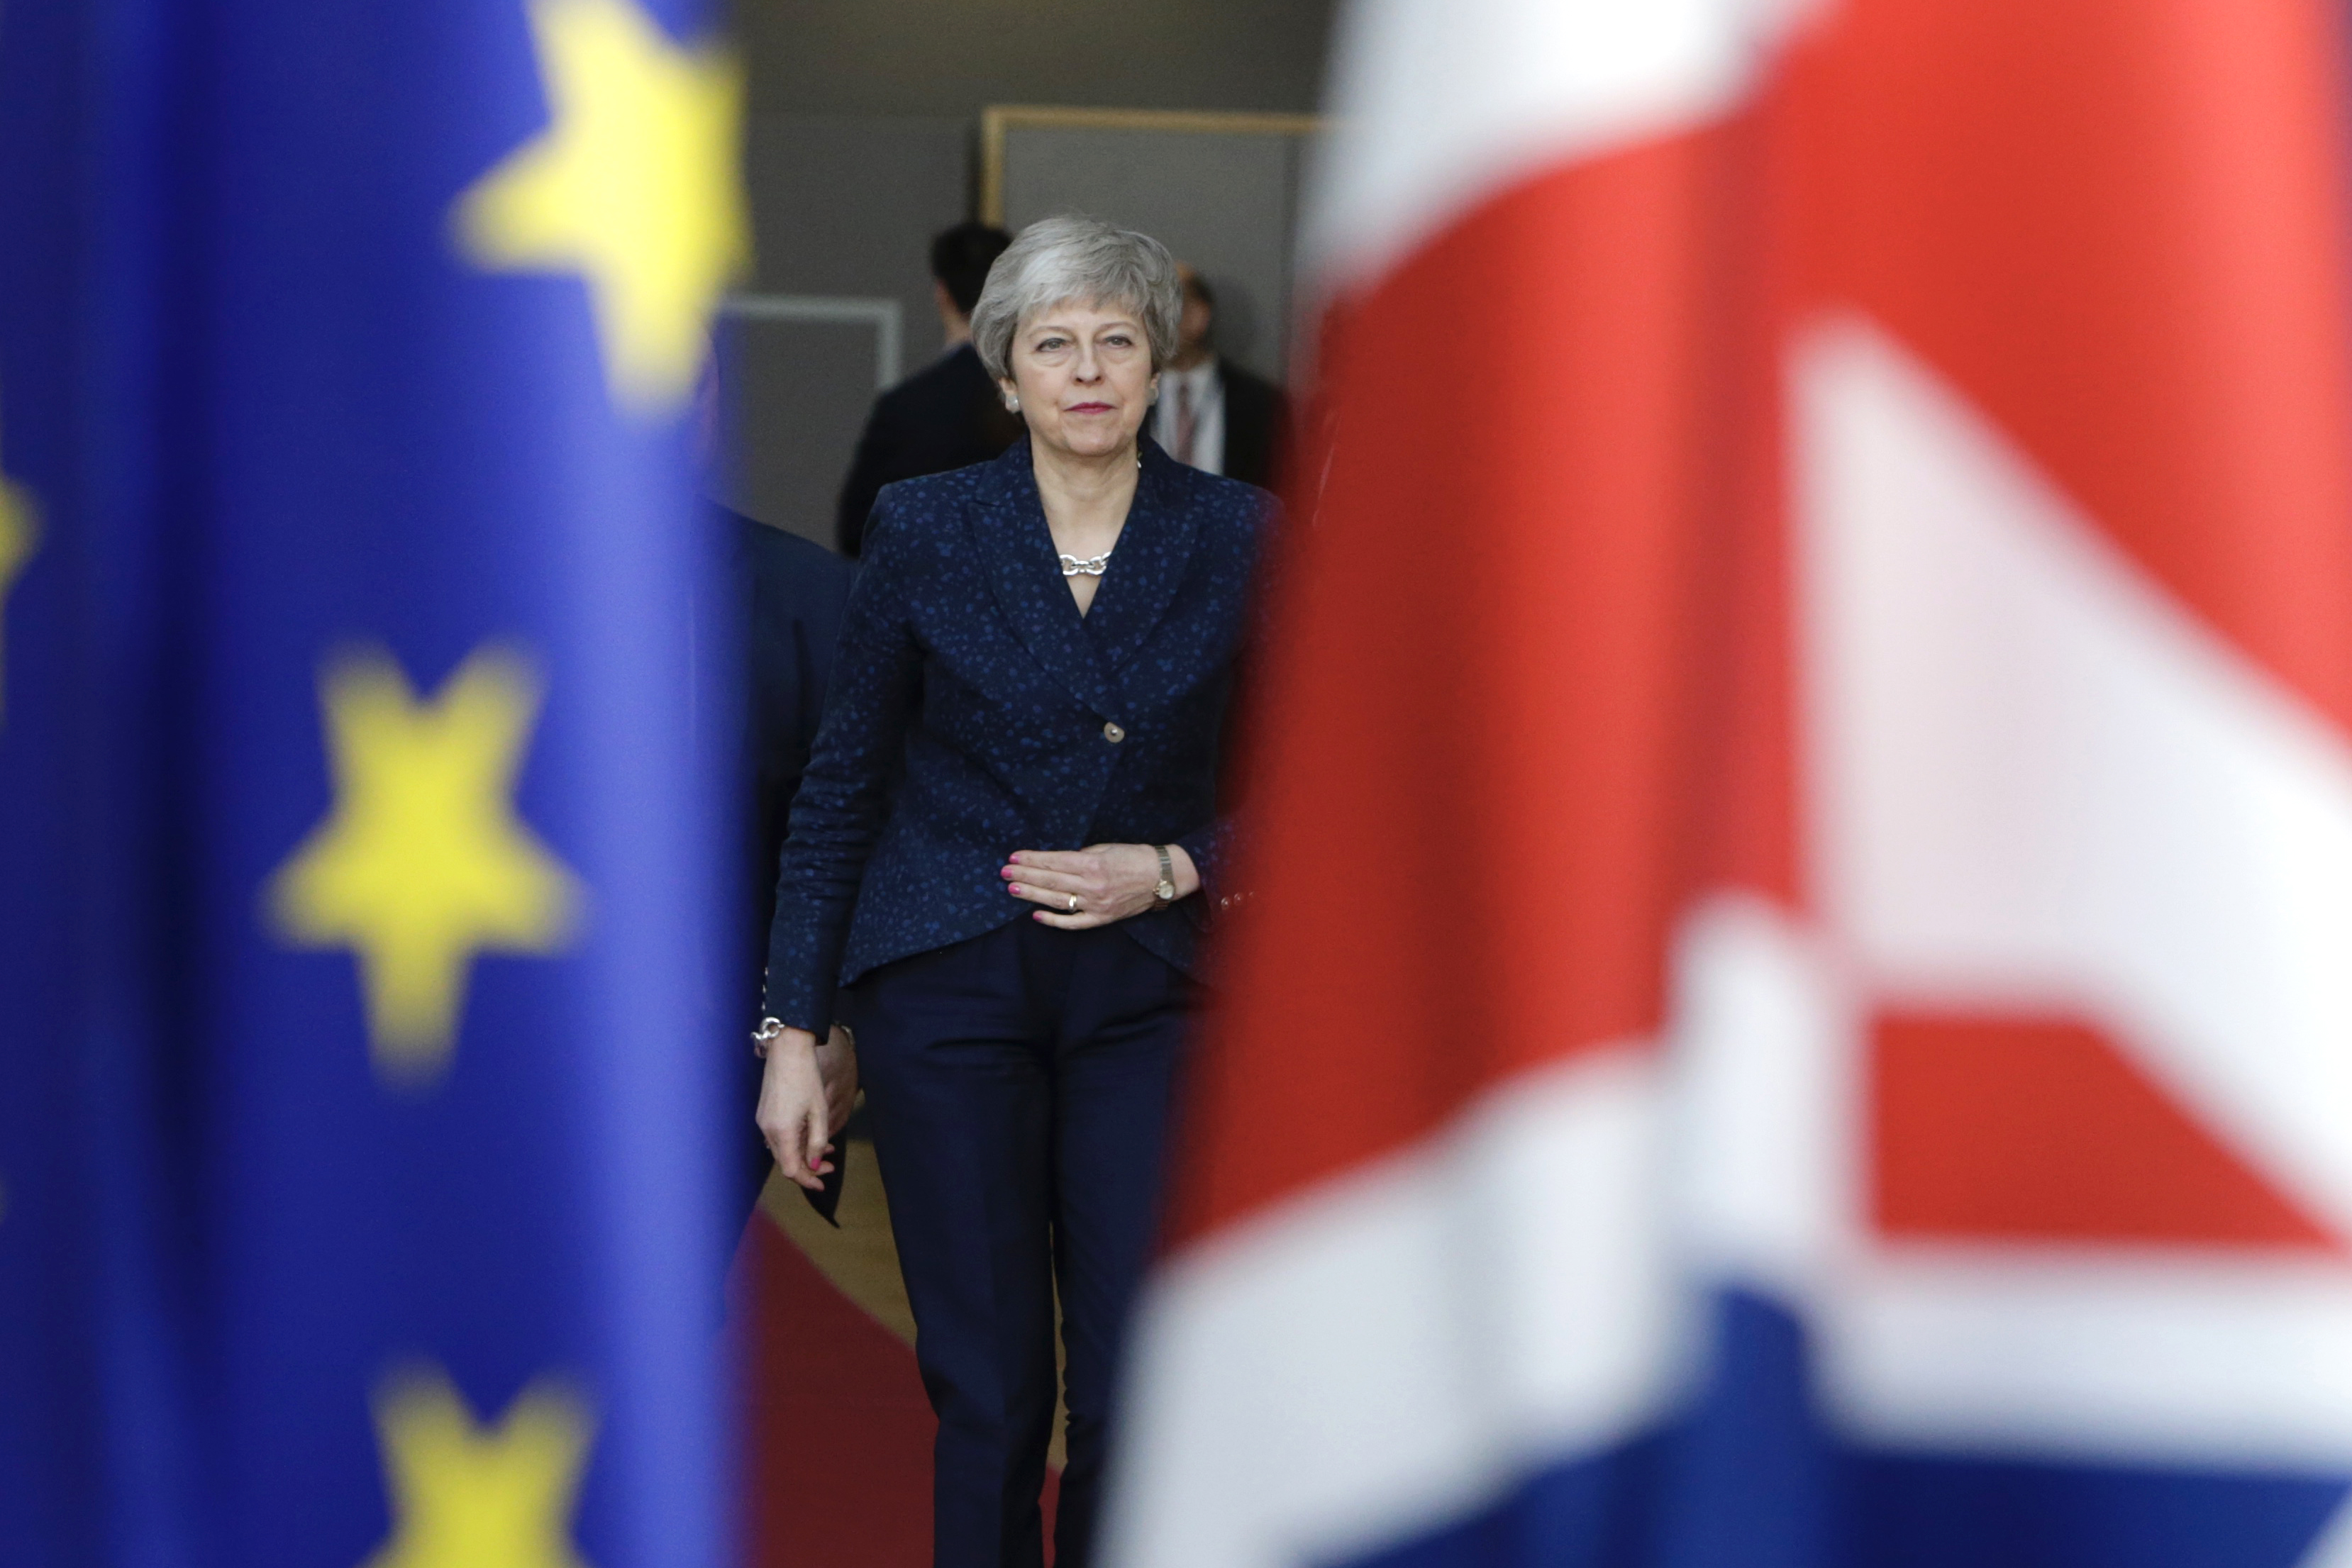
[359, 879]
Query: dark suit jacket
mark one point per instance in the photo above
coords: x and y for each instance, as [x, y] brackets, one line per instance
[947, 415]
[1257, 425]
[793, 594]
[1019, 724]
[789, 599]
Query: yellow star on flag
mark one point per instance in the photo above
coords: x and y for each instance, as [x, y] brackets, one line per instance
[424, 863]
[464, 1495]
[18, 535]
[633, 185]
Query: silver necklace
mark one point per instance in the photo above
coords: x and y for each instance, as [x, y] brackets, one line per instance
[1093, 565]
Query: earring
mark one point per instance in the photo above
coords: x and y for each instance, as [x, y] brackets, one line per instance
[1012, 403]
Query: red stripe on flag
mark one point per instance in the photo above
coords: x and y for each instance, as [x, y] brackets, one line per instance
[2118, 225]
[2005, 1128]
[1469, 770]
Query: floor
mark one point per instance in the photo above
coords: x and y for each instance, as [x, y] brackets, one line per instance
[837, 1432]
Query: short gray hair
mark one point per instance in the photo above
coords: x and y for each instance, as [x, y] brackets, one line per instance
[1071, 257]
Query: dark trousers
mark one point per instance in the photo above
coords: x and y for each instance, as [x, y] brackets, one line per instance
[1019, 1087]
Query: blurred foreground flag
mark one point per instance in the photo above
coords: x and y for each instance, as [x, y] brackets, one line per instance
[358, 1202]
[1797, 1009]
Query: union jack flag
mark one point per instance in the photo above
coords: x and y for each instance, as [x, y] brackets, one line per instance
[1798, 1008]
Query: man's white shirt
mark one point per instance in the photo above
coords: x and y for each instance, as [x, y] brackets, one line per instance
[1207, 395]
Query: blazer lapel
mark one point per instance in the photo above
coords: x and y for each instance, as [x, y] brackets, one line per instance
[1027, 577]
[1148, 567]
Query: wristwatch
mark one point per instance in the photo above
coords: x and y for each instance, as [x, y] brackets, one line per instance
[1165, 894]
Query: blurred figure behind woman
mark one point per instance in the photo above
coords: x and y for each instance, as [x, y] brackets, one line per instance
[947, 414]
[1212, 414]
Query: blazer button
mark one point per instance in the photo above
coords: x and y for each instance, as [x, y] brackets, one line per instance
[1112, 733]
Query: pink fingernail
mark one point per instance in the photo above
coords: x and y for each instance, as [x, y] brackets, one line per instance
[1014, 888]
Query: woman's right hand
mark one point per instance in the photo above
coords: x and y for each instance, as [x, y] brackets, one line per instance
[803, 1099]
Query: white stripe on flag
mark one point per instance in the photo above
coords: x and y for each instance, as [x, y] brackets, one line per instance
[1440, 104]
[2160, 1356]
[1394, 1348]
[2168, 1356]
[2040, 782]
[1768, 1103]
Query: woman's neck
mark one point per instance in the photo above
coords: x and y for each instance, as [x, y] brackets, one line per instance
[1087, 498]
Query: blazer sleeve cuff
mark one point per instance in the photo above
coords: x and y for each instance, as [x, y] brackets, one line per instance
[1206, 848]
[802, 986]
[802, 1006]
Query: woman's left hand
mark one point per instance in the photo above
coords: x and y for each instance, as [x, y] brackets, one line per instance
[1111, 881]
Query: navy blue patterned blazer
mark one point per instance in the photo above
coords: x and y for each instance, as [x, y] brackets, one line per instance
[974, 712]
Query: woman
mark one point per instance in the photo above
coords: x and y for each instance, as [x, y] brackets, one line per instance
[1000, 849]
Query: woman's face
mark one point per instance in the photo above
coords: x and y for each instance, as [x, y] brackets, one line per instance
[1082, 374]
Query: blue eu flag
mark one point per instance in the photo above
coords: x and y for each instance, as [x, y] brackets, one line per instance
[359, 860]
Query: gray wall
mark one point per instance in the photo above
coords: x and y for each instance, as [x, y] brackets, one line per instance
[1225, 202]
[863, 142]
[957, 57]
[841, 207]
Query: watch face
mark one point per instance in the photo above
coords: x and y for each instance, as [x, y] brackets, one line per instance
[1165, 892]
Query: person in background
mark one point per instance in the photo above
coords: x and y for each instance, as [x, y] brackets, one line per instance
[783, 607]
[792, 595]
[1001, 863]
[1213, 413]
[946, 416]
